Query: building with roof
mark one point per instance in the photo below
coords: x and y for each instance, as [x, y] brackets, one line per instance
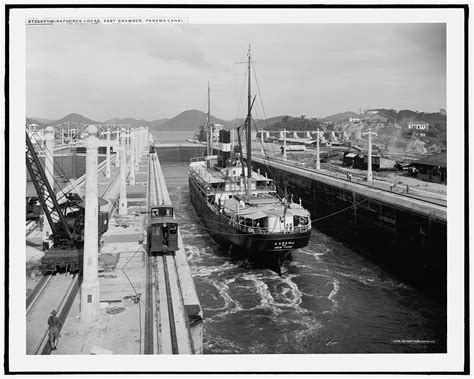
[358, 158]
[432, 168]
[419, 125]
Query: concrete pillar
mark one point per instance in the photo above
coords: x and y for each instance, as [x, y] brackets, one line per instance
[318, 164]
[48, 139]
[308, 135]
[295, 135]
[131, 177]
[261, 142]
[232, 132]
[138, 144]
[123, 175]
[41, 141]
[107, 159]
[284, 143]
[117, 148]
[90, 281]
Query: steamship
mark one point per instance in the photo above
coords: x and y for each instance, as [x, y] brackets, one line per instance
[239, 207]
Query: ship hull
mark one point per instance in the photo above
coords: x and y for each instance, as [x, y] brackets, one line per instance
[266, 246]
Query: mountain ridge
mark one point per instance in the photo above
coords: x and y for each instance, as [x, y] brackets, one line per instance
[192, 119]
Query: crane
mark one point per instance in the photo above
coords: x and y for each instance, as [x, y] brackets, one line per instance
[66, 219]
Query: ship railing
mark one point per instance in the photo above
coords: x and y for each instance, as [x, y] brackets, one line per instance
[261, 230]
[266, 188]
[198, 159]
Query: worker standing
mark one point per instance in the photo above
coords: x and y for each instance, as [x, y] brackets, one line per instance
[54, 324]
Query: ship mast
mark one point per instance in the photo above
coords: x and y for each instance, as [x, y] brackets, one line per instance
[208, 122]
[249, 131]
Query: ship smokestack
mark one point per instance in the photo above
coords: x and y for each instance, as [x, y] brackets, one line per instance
[224, 141]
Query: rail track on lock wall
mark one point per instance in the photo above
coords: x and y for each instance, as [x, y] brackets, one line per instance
[166, 328]
[361, 180]
[52, 292]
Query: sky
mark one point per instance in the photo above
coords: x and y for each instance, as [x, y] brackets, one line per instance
[157, 71]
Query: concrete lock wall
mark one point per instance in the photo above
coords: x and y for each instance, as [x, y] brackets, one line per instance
[168, 154]
[73, 166]
[411, 245]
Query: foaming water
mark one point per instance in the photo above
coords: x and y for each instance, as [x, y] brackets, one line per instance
[327, 300]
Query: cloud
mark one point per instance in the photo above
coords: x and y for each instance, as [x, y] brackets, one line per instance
[155, 71]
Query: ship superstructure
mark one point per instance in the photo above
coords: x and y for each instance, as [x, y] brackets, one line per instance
[241, 208]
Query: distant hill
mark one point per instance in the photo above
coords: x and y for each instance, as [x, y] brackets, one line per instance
[392, 130]
[155, 124]
[76, 117]
[338, 117]
[43, 120]
[134, 123]
[269, 121]
[190, 120]
[41, 124]
[293, 123]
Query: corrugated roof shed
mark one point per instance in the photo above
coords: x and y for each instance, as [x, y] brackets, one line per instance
[438, 159]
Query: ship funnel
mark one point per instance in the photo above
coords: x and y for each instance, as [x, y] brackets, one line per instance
[224, 144]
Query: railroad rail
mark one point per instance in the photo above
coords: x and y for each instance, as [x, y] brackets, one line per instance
[52, 292]
[166, 321]
[423, 206]
[55, 291]
[335, 172]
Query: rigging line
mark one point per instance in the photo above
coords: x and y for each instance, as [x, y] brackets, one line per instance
[137, 296]
[340, 211]
[241, 96]
[260, 94]
[280, 187]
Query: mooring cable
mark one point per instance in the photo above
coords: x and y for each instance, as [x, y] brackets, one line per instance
[137, 297]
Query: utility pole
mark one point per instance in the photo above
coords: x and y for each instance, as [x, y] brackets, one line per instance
[318, 163]
[370, 133]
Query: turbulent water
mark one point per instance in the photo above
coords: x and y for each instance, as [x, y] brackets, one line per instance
[327, 300]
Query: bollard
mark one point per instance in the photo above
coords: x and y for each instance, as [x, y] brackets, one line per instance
[318, 162]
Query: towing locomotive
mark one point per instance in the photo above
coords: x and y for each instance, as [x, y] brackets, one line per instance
[162, 230]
